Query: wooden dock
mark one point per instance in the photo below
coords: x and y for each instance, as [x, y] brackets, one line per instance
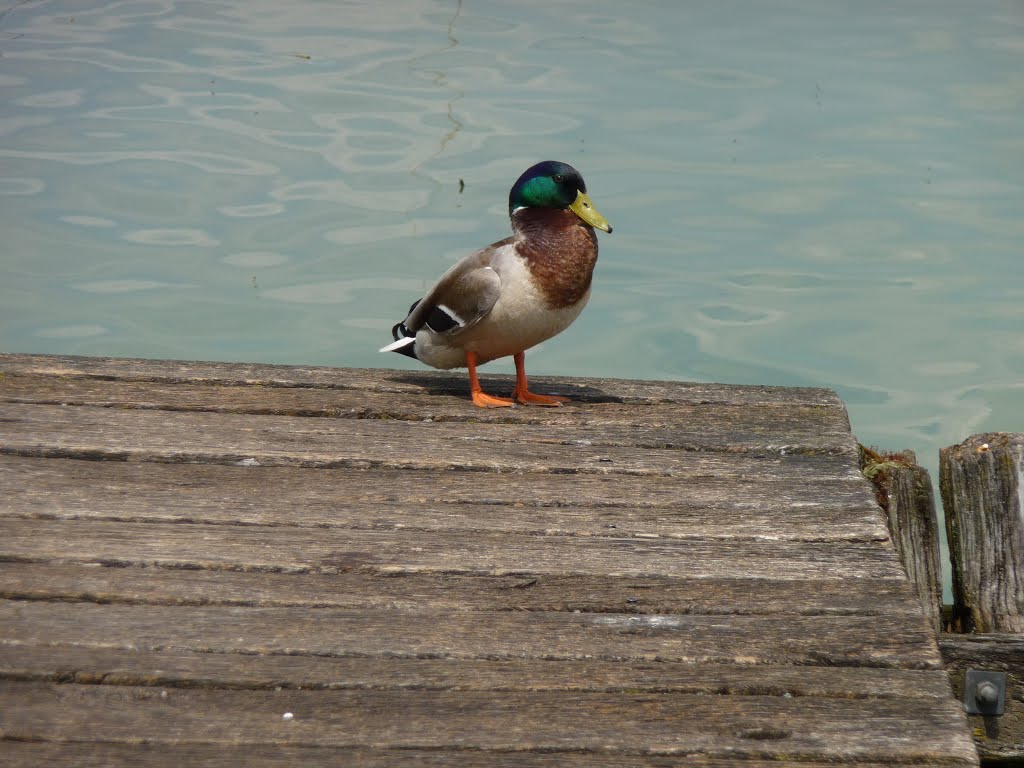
[242, 565]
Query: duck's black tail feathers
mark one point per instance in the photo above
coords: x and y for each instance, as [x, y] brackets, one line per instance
[405, 341]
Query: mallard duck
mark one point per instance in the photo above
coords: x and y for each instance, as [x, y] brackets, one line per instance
[515, 293]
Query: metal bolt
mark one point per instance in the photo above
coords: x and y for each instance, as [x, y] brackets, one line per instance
[986, 692]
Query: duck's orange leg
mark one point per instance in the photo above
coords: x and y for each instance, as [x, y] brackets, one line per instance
[522, 392]
[480, 398]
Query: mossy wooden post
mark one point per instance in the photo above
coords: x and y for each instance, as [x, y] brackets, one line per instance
[982, 485]
[904, 491]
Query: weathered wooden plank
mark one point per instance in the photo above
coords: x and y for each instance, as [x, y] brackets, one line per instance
[460, 592]
[673, 724]
[186, 669]
[809, 522]
[1004, 652]
[100, 755]
[701, 479]
[56, 431]
[407, 382]
[704, 424]
[868, 641]
[699, 507]
[332, 550]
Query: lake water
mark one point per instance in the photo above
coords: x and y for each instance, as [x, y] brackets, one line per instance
[803, 192]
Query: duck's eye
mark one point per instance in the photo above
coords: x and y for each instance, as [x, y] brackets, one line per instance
[558, 178]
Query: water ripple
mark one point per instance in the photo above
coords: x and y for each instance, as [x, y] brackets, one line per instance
[176, 237]
[88, 221]
[341, 291]
[122, 286]
[85, 331]
[255, 259]
[111, 61]
[18, 187]
[399, 198]
[408, 229]
[204, 161]
[721, 78]
[256, 210]
[19, 123]
[53, 99]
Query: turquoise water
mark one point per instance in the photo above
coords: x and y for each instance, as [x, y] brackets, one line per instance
[803, 192]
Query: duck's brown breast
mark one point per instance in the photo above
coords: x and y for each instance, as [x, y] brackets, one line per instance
[561, 251]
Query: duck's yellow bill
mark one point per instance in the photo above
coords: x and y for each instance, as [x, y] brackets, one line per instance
[585, 209]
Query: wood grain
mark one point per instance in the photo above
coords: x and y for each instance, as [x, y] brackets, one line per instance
[284, 548]
[692, 423]
[179, 668]
[703, 505]
[361, 588]
[874, 641]
[982, 484]
[905, 489]
[405, 383]
[106, 755]
[660, 573]
[184, 436]
[721, 726]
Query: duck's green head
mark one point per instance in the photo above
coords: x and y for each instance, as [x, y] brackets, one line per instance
[551, 184]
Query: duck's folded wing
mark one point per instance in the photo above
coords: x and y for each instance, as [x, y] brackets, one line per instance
[460, 299]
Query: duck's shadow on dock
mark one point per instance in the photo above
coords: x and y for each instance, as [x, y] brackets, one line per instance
[455, 385]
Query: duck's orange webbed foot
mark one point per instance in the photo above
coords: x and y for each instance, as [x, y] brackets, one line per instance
[522, 391]
[530, 398]
[483, 400]
[480, 398]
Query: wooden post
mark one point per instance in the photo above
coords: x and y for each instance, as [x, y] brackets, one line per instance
[904, 491]
[982, 485]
